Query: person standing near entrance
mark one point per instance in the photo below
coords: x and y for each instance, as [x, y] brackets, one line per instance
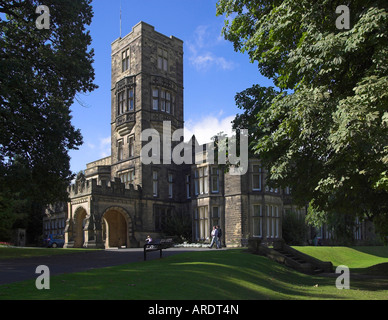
[219, 234]
[214, 235]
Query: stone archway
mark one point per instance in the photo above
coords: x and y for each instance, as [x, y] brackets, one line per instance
[79, 224]
[117, 225]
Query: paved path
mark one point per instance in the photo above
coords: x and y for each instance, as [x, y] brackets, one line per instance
[14, 270]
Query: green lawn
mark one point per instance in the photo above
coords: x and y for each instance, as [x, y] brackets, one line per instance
[371, 260]
[213, 275]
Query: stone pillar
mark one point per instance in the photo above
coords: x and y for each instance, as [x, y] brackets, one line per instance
[69, 241]
[233, 231]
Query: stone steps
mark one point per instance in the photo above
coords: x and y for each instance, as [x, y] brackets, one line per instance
[304, 265]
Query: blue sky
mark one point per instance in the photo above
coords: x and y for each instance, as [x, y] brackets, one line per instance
[213, 71]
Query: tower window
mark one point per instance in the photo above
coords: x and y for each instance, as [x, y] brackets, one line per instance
[125, 60]
[130, 100]
[155, 99]
[162, 59]
[162, 100]
[170, 184]
[155, 183]
[120, 150]
[121, 102]
[125, 101]
[168, 102]
[131, 144]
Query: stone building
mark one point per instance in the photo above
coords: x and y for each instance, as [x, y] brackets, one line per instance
[121, 199]
[54, 219]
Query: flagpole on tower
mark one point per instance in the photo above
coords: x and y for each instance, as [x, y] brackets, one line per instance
[120, 18]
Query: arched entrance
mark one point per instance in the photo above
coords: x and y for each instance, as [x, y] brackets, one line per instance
[116, 224]
[79, 224]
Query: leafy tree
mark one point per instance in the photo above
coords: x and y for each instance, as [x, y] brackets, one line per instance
[325, 131]
[41, 71]
[340, 226]
[179, 225]
[294, 229]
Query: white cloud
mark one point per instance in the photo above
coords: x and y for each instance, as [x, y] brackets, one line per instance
[105, 147]
[207, 127]
[206, 60]
[203, 50]
[91, 145]
[199, 36]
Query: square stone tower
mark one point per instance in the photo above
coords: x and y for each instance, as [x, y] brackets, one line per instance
[122, 199]
[146, 91]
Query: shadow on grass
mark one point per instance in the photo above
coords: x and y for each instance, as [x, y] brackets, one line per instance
[369, 284]
[222, 275]
[378, 251]
[380, 269]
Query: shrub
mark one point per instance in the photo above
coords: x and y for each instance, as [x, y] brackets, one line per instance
[294, 229]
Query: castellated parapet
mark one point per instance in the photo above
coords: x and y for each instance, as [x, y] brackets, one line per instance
[83, 188]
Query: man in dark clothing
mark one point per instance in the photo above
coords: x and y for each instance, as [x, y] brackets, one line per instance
[219, 234]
